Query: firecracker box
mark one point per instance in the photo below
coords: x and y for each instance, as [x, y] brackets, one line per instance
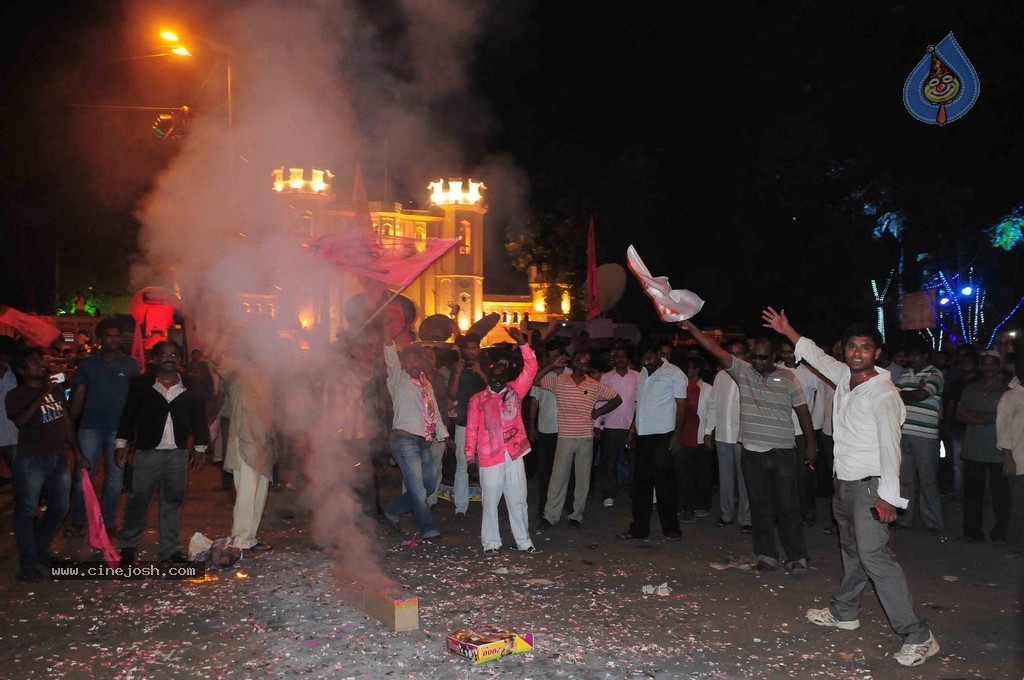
[487, 643]
[394, 607]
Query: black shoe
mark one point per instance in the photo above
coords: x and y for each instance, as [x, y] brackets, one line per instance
[127, 557]
[30, 574]
[762, 567]
[575, 524]
[722, 523]
[747, 529]
[177, 558]
[545, 524]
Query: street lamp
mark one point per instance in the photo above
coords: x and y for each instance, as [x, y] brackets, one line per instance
[179, 48]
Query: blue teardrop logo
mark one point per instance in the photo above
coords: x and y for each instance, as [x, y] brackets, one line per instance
[943, 86]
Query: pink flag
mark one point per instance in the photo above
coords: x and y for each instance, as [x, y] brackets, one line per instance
[97, 531]
[394, 260]
[673, 305]
[38, 330]
[593, 300]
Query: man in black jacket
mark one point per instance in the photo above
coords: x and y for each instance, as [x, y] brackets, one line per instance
[165, 420]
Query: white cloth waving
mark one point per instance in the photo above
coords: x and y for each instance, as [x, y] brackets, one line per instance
[672, 305]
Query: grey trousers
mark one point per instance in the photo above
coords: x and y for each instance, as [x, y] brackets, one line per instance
[731, 484]
[919, 481]
[866, 556]
[165, 470]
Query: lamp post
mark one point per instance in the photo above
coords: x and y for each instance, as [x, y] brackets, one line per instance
[179, 48]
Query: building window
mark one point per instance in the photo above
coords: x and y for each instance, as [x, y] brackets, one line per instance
[465, 233]
[421, 232]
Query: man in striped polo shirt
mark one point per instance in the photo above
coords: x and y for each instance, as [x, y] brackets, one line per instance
[920, 387]
[769, 394]
[575, 396]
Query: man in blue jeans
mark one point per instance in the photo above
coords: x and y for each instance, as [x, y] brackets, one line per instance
[417, 422]
[101, 387]
[39, 409]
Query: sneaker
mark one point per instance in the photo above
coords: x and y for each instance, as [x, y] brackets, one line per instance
[687, 516]
[797, 567]
[609, 502]
[915, 655]
[823, 617]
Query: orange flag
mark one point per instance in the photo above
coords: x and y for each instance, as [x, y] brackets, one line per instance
[593, 301]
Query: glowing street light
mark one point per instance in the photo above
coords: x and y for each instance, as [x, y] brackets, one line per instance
[966, 290]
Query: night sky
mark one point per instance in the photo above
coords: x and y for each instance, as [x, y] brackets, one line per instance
[726, 148]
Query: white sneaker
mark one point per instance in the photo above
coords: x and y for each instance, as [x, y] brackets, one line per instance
[609, 502]
[823, 617]
[915, 655]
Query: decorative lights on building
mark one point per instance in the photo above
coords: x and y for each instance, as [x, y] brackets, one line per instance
[296, 182]
[455, 194]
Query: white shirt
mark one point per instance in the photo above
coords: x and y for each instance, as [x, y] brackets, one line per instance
[8, 430]
[703, 404]
[547, 407]
[407, 399]
[656, 398]
[1010, 423]
[724, 409]
[812, 387]
[866, 423]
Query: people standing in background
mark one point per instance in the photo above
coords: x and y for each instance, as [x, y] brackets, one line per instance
[921, 386]
[97, 400]
[656, 433]
[724, 426]
[1010, 440]
[693, 471]
[623, 379]
[467, 379]
[8, 430]
[982, 459]
[39, 409]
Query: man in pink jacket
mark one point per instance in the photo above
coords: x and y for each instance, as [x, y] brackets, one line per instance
[496, 441]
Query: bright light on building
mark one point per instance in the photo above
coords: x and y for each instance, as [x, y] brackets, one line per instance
[944, 301]
[455, 195]
[966, 290]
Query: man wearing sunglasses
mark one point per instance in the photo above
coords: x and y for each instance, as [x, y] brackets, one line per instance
[769, 394]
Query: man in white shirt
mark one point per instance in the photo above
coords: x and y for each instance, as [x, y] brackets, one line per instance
[1010, 439]
[867, 416]
[658, 432]
[723, 426]
[416, 423]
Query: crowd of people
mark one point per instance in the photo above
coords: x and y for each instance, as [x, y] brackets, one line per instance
[773, 422]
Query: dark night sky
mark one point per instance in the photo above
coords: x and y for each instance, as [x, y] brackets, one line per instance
[706, 142]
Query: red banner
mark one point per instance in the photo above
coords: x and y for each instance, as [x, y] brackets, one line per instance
[593, 301]
[37, 330]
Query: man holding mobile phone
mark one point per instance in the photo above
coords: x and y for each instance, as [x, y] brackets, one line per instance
[39, 409]
[867, 415]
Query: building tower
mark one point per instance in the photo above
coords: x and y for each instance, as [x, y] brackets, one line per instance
[458, 278]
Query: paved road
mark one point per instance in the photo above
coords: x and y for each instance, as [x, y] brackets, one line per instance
[297, 611]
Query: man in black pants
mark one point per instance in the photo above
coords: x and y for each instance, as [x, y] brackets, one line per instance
[162, 412]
